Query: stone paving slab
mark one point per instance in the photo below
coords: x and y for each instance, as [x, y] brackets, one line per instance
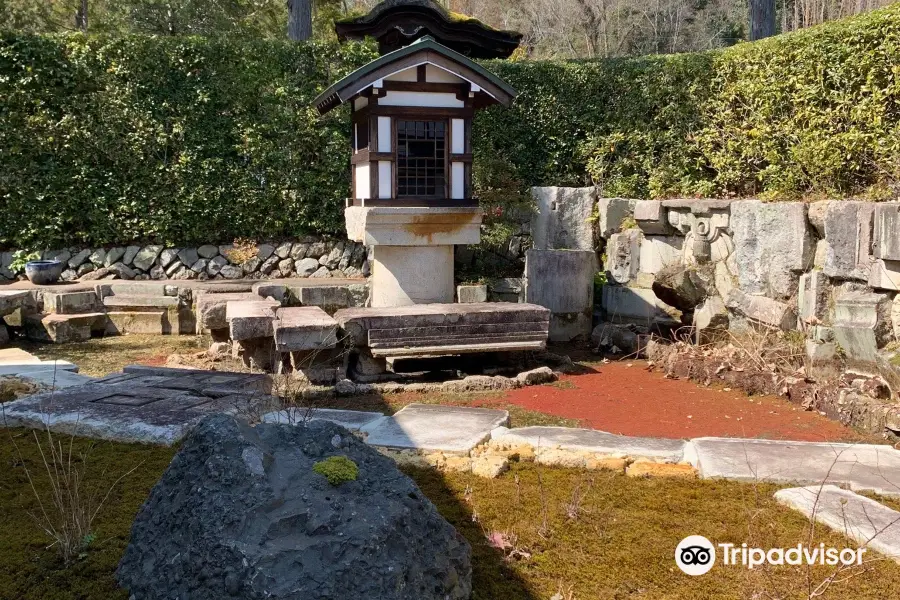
[354, 420]
[250, 319]
[596, 442]
[54, 379]
[863, 520]
[151, 405]
[859, 466]
[429, 427]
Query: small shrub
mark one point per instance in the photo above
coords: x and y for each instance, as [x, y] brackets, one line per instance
[337, 469]
[243, 251]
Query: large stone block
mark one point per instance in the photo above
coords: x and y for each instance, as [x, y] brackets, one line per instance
[210, 308]
[848, 239]
[69, 303]
[762, 310]
[562, 220]
[623, 256]
[612, 212]
[331, 297]
[650, 216]
[659, 252]
[636, 305]
[887, 231]
[885, 275]
[249, 319]
[862, 324]
[563, 281]
[813, 297]
[146, 256]
[304, 328]
[773, 245]
[62, 329]
[412, 226]
[471, 293]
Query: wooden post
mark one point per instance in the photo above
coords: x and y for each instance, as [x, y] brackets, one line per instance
[762, 19]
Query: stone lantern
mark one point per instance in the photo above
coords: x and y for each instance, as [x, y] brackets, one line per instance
[411, 114]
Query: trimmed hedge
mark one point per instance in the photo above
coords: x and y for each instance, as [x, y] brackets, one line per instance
[185, 140]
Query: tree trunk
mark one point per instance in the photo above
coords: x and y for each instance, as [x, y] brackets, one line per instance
[762, 19]
[81, 17]
[299, 20]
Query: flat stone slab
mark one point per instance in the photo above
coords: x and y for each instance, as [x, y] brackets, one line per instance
[428, 427]
[12, 368]
[151, 405]
[859, 466]
[304, 328]
[596, 442]
[863, 520]
[210, 308]
[54, 379]
[354, 420]
[250, 319]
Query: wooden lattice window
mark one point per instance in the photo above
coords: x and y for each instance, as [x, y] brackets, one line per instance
[421, 165]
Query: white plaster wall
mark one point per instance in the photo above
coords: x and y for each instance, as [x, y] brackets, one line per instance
[457, 136]
[363, 186]
[384, 179]
[384, 134]
[457, 181]
[430, 99]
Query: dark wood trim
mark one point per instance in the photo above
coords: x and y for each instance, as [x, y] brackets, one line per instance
[467, 179]
[463, 158]
[434, 88]
[364, 156]
[421, 112]
[421, 72]
[424, 202]
[467, 127]
[394, 159]
[448, 172]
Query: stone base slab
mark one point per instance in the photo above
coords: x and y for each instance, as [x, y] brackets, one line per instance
[304, 328]
[413, 226]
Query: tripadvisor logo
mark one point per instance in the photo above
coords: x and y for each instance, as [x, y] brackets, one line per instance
[696, 555]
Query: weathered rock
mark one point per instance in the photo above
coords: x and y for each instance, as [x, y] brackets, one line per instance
[612, 212]
[97, 257]
[562, 220]
[167, 257]
[269, 264]
[333, 258]
[536, 376]
[188, 256]
[346, 255]
[146, 256]
[78, 259]
[681, 287]
[471, 293]
[173, 267]
[711, 315]
[113, 255]
[207, 251]
[84, 268]
[62, 256]
[320, 272]
[215, 264]
[623, 256]
[231, 272]
[264, 251]
[762, 309]
[298, 251]
[68, 275]
[626, 339]
[199, 265]
[316, 249]
[285, 266]
[130, 253]
[816, 214]
[772, 246]
[239, 532]
[157, 272]
[283, 250]
[251, 265]
[122, 270]
[862, 323]
[812, 299]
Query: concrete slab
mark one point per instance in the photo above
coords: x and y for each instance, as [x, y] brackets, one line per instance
[596, 442]
[156, 406]
[303, 328]
[429, 427]
[859, 466]
[861, 519]
[354, 420]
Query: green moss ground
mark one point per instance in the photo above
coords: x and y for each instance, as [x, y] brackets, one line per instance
[618, 543]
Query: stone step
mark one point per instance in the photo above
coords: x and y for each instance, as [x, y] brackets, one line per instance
[250, 319]
[131, 288]
[10, 300]
[140, 303]
[426, 351]
[304, 328]
[154, 322]
[426, 427]
[72, 303]
[62, 328]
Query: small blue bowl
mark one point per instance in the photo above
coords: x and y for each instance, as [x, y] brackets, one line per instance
[43, 272]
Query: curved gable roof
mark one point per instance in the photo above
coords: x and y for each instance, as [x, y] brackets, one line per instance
[423, 50]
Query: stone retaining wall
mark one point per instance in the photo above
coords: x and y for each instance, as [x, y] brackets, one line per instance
[312, 256]
[830, 269]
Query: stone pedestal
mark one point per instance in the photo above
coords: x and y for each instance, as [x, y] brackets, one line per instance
[412, 249]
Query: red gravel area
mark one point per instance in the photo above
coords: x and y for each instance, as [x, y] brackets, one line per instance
[628, 399]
